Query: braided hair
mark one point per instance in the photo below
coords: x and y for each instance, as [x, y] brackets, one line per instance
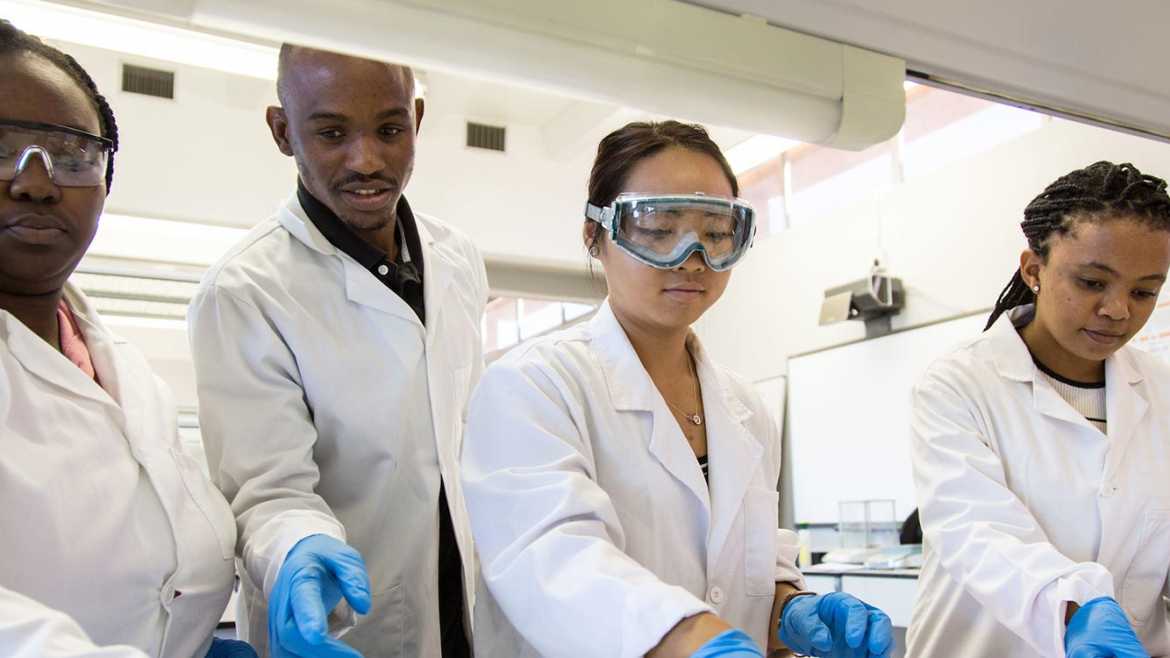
[1102, 190]
[17, 42]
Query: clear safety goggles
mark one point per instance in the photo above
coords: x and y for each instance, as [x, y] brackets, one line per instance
[72, 157]
[663, 231]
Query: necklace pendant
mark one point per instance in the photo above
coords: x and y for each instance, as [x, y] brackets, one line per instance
[696, 419]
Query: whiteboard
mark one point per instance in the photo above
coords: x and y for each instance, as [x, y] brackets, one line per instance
[849, 417]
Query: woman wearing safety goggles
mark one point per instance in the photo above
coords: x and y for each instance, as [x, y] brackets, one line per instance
[114, 541]
[621, 485]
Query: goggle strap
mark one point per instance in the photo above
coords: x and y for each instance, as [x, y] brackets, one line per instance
[595, 213]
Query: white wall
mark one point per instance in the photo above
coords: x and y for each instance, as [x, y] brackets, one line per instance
[208, 157]
[517, 206]
[953, 237]
[205, 156]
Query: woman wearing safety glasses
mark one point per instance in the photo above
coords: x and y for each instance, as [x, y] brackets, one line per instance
[621, 486]
[114, 543]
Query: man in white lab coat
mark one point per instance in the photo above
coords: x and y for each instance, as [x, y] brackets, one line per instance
[335, 348]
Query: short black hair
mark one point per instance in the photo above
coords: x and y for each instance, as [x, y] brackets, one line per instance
[15, 42]
[1101, 191]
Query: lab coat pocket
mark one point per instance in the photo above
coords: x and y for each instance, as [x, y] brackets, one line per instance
[209, 501]
[761, 517]
[381, 632]
[1146, 578]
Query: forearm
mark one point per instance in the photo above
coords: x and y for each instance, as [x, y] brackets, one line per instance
[688, 636]
[776, 648]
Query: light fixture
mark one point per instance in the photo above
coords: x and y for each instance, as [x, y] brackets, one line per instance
[139, 238]
[142, 38]
[756, 150]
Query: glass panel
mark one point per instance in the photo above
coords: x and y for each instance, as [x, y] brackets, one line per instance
[538, 316]
[574, 311]
[500, 328]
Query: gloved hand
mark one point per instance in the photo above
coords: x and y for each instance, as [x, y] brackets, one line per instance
[230, 649]
[316, 573]
[835, 625]
[1100, 629]
[729, 644]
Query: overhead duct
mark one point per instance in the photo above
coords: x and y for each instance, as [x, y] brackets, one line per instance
[660, 56]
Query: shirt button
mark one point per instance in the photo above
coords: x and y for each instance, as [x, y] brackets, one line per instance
[383, 270]
[715, 595]
[1108, 490]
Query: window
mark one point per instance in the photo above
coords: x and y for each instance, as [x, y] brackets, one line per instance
[805, 182]
[509, 320]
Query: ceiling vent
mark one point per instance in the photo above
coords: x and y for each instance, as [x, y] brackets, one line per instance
[483, 136]
[147, 81]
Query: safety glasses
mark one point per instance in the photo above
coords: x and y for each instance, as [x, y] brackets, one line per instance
[663, 231]
[73, 158]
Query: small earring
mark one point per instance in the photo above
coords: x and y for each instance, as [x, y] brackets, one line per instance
[1036, 290]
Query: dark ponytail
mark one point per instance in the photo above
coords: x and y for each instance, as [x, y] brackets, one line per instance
[1100, 191]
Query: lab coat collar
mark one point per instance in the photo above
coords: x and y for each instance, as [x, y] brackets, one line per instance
[40, 359]
[1125, 406]
[733, 452]
[629, 384]
[360, 286]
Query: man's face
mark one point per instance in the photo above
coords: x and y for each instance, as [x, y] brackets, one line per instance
[350, 124]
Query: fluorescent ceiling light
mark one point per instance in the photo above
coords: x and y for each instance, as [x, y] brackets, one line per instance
[756, 150]
[140, 238]
[143, 38]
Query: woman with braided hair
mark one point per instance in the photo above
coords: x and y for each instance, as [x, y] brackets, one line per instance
[114, 545]
[1041, 449]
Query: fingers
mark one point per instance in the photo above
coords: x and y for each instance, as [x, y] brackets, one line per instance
[308, 608]
[349, 569]
[855, 621]
[818, 633]
[334, 648]
[294, 645]
[846, 616]
[879, 638]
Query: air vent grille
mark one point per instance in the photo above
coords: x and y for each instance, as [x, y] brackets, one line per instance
[147, 81]
[483, 136]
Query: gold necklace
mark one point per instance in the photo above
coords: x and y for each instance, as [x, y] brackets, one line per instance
[695, 419]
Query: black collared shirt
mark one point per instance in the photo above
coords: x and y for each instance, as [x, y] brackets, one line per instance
[404, 277]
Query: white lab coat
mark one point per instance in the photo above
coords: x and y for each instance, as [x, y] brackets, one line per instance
[1025, 505]
[112, 535]
[595, 528]
[327, 408]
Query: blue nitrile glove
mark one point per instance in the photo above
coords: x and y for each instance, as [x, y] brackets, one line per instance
[835, 625]
[730, 644]
[221, 648]
[316, 573]
[1100, 629]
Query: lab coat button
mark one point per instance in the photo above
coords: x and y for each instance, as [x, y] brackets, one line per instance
[715, 595]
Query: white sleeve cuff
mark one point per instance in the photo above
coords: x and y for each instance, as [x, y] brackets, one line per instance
[656, 610]
[787, 552]
[266, 549]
